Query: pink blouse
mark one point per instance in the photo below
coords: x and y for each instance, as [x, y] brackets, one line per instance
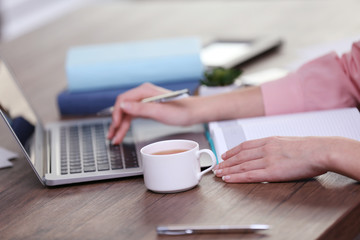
[324, 83]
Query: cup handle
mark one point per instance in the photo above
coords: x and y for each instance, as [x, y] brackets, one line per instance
[211, 154]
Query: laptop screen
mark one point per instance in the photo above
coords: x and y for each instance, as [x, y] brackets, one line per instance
[15, 107]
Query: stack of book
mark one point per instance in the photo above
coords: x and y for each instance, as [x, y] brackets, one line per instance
[97, 74]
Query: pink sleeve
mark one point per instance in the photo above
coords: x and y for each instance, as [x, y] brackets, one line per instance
[324, 83]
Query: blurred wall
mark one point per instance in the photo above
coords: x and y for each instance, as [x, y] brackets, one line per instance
[18, 17]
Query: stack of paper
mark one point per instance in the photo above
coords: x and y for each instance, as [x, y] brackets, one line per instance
[339, 122]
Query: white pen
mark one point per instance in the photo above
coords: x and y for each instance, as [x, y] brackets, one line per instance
[170, 96]
[184, 229]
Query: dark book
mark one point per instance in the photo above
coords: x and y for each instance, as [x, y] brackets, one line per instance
[91, 102]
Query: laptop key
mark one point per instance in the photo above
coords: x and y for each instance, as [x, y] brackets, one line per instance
[91, 168]
[117, 166]
[63, 152]
[130, 156]
[103, 167]
[75, 170]
[115, 157]
[116, 163]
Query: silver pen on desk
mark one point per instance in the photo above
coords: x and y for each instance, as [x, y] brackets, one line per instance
[184, 229]
[170, 96]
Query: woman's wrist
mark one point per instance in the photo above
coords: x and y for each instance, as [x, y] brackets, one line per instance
[201, 110]
[343, 156]
[242, 103]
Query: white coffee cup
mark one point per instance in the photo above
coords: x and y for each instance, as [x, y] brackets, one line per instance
[168, 172]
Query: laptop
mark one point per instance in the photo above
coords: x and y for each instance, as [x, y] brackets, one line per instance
[73, 151]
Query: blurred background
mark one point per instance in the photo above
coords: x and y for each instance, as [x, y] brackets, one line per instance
[36, 35]
[18, 17]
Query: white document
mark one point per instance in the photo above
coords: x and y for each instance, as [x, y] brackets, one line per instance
[340, 122]
[263, 76]
[5, 156]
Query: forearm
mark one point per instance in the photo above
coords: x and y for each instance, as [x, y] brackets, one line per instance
[303, 90]
[242, 103]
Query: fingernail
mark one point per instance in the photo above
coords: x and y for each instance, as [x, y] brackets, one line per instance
[218, 171]
[125, 105]
[225, 178]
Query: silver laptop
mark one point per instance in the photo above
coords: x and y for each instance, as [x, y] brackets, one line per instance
[75, 151]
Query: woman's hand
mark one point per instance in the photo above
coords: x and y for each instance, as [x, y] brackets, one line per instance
[128, 105]
[276, 159]
[182, 112]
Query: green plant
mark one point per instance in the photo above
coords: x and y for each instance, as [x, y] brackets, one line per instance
[220, 77]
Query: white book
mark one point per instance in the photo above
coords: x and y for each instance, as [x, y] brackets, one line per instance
[339, 122]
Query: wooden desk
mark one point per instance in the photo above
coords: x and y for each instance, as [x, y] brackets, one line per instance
[323, 208]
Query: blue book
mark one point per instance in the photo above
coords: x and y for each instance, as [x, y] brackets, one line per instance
[125, 65]
[91, 102]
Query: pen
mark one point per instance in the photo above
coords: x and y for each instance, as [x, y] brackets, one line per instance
[170, 96]
[184, 230]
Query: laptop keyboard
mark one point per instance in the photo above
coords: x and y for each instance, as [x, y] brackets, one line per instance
[85, 149]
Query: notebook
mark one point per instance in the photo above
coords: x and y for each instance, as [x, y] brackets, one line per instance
[73, 151]
[343, 122]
